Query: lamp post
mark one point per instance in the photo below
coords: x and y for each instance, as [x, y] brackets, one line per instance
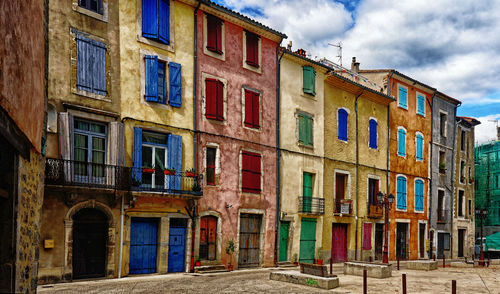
[385, 201]
[481, 214]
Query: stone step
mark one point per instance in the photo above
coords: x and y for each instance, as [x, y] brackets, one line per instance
[286, 264]
[205, 269]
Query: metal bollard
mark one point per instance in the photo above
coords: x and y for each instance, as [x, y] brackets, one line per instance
[404, 283]
[453, 287]
[371, 259]
[434, 257]
[365, 286]
[444, 261]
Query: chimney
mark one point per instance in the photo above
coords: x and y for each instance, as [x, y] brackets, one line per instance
[301, 52]
[354, 65]
[289, 47]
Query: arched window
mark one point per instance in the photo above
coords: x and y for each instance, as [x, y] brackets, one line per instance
[342, 124]
[420, 147]
[402, 142]
[419, 195]
[401, 193]
[373, 134]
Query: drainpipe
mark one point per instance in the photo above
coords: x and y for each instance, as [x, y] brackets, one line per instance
[430, 180]
[357, 176]
[121, 240]
[387, 176]
[278, 153]
[453, 178]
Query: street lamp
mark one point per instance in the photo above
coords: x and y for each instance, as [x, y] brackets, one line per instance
[385, 201]
[481, 214]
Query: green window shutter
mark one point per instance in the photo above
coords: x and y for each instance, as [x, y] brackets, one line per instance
[309, 141]
[309, 78]
[307, 184]
[302, 129]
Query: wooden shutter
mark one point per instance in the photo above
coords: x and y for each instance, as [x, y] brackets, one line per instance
[252, 46]
[419, 195]
[175, 160]
[421, 105]
[175, 84]
[302, 129]
[309, 80]
[83, 63]
[65, 127]
[403, 97]
[373, 133]
[401, 142]
[309, 131]
[342, 127]
[367, 236]
[151, 69]
[220, 101]
[137, 155]
[251, 172]
[164, 21]
[115, 143]
[256, 110]
[420, 146]
[401, 193]
[211, 98]
[307, 184]
[251, 109]
[150, 18]
[99, 68]
[214, 34]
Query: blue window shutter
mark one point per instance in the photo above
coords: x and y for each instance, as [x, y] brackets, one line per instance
[83, 63]
[420, 153]
[420, 105]
[399, 192]
[151, 68]
[150, 18]
[164, 21]
[342, 131]
[419, 195]
[175, 84]
[99, 68]
[137, 155]
[403, 97]
[175, 160]
[404, 192]
[373, 134]
[401, 142]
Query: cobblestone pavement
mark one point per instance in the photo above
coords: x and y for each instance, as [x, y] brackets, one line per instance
[257, 281]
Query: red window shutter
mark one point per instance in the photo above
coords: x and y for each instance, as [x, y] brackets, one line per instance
[252, 44]
[214, 34]
[367, 236]
[211, 98]
[220, 100]
[218, 28]
[255, 110]
[248, 108]
[251, 172]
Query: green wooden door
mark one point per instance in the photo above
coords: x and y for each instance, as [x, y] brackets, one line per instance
[307, 240]
[307, 191]
[284, 227]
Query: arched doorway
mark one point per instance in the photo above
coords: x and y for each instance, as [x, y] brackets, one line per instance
[90, 232]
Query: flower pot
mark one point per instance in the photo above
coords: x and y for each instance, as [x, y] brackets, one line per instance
[197, 263]
[190, 174]
[319, 261]
[148, 170]
[295, 263]
[230, 267]
[169, 172]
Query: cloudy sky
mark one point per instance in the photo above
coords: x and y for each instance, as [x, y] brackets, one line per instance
[452, 45]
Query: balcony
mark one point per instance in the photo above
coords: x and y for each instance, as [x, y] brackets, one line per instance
[343, 206]
[166, 181]
[86, 174]
[311, 205]
[442, 216]
[375, 211]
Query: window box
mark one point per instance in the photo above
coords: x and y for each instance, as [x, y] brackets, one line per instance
[148, 170]
[190, 174]
[169, 172]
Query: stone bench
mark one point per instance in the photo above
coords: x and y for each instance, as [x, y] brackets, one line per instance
[422, 265]
[314, 269]
[296, 277]
[373, 269]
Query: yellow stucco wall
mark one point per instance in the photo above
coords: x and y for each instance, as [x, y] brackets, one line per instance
[133, 47]
[296, 159]
[340, 156]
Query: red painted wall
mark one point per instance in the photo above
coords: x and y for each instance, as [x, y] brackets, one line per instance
[232, 137]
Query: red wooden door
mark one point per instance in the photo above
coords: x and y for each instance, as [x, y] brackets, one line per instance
[339, 242]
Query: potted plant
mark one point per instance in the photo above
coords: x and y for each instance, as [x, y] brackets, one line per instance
[197, 262]
[442, 167]
[190, 173]
[230, 252]
[148, 170]
[169, 171]
[471, 180]
[294, 259]
[319, 257]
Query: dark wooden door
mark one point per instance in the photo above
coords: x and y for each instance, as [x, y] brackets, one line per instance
[208, 237]
[284, 229]
[440, 245]
[421, 245]
[307, 240]
[249, 240]
[90, 232]
[461, 239]
[379, 240]
[402, 240]
[143, 245]
[339, 242]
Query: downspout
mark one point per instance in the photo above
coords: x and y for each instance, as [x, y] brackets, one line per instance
[430, 179]
[357, 176]
[387, 176]
[278, 153]
[121, 240]
[452, 208]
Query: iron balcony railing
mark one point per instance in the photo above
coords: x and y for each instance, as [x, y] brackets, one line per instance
[311, 205]
[343, 206]
[442, 215]
[78, 173]
[375, 210]
[166, 181]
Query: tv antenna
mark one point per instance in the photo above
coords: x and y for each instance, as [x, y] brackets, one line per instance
[339, 54]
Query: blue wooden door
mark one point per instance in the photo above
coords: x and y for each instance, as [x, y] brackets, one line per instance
[143, 244]
[176, 249]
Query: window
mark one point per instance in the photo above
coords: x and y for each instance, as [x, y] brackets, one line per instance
[373, 134]
[421, 105]
[419, 195]
[403, 97]
[420, 147]
[156, 20]
[469, 211]
[155, 83]
[89, 151]
[402, 142]
[250, 172]
[460, 203]
[157, 160]
[208, 238]
[462, 141]
[91, 65]
[401, 193]
[214, 92]
[214, 34]
[340, 190]
[373, 188]
[305, 129]
[441, 216]
[442, 162]
[462, 171]
[307, 191]
[252, 109]
[309, 80]
[442, 124]
[210, 169]
[92, 5]
[252, 49]
[342, 124]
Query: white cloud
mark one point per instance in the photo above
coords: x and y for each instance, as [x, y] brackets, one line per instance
[486, 131]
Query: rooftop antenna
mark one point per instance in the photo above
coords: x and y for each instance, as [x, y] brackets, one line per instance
[339, 54]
